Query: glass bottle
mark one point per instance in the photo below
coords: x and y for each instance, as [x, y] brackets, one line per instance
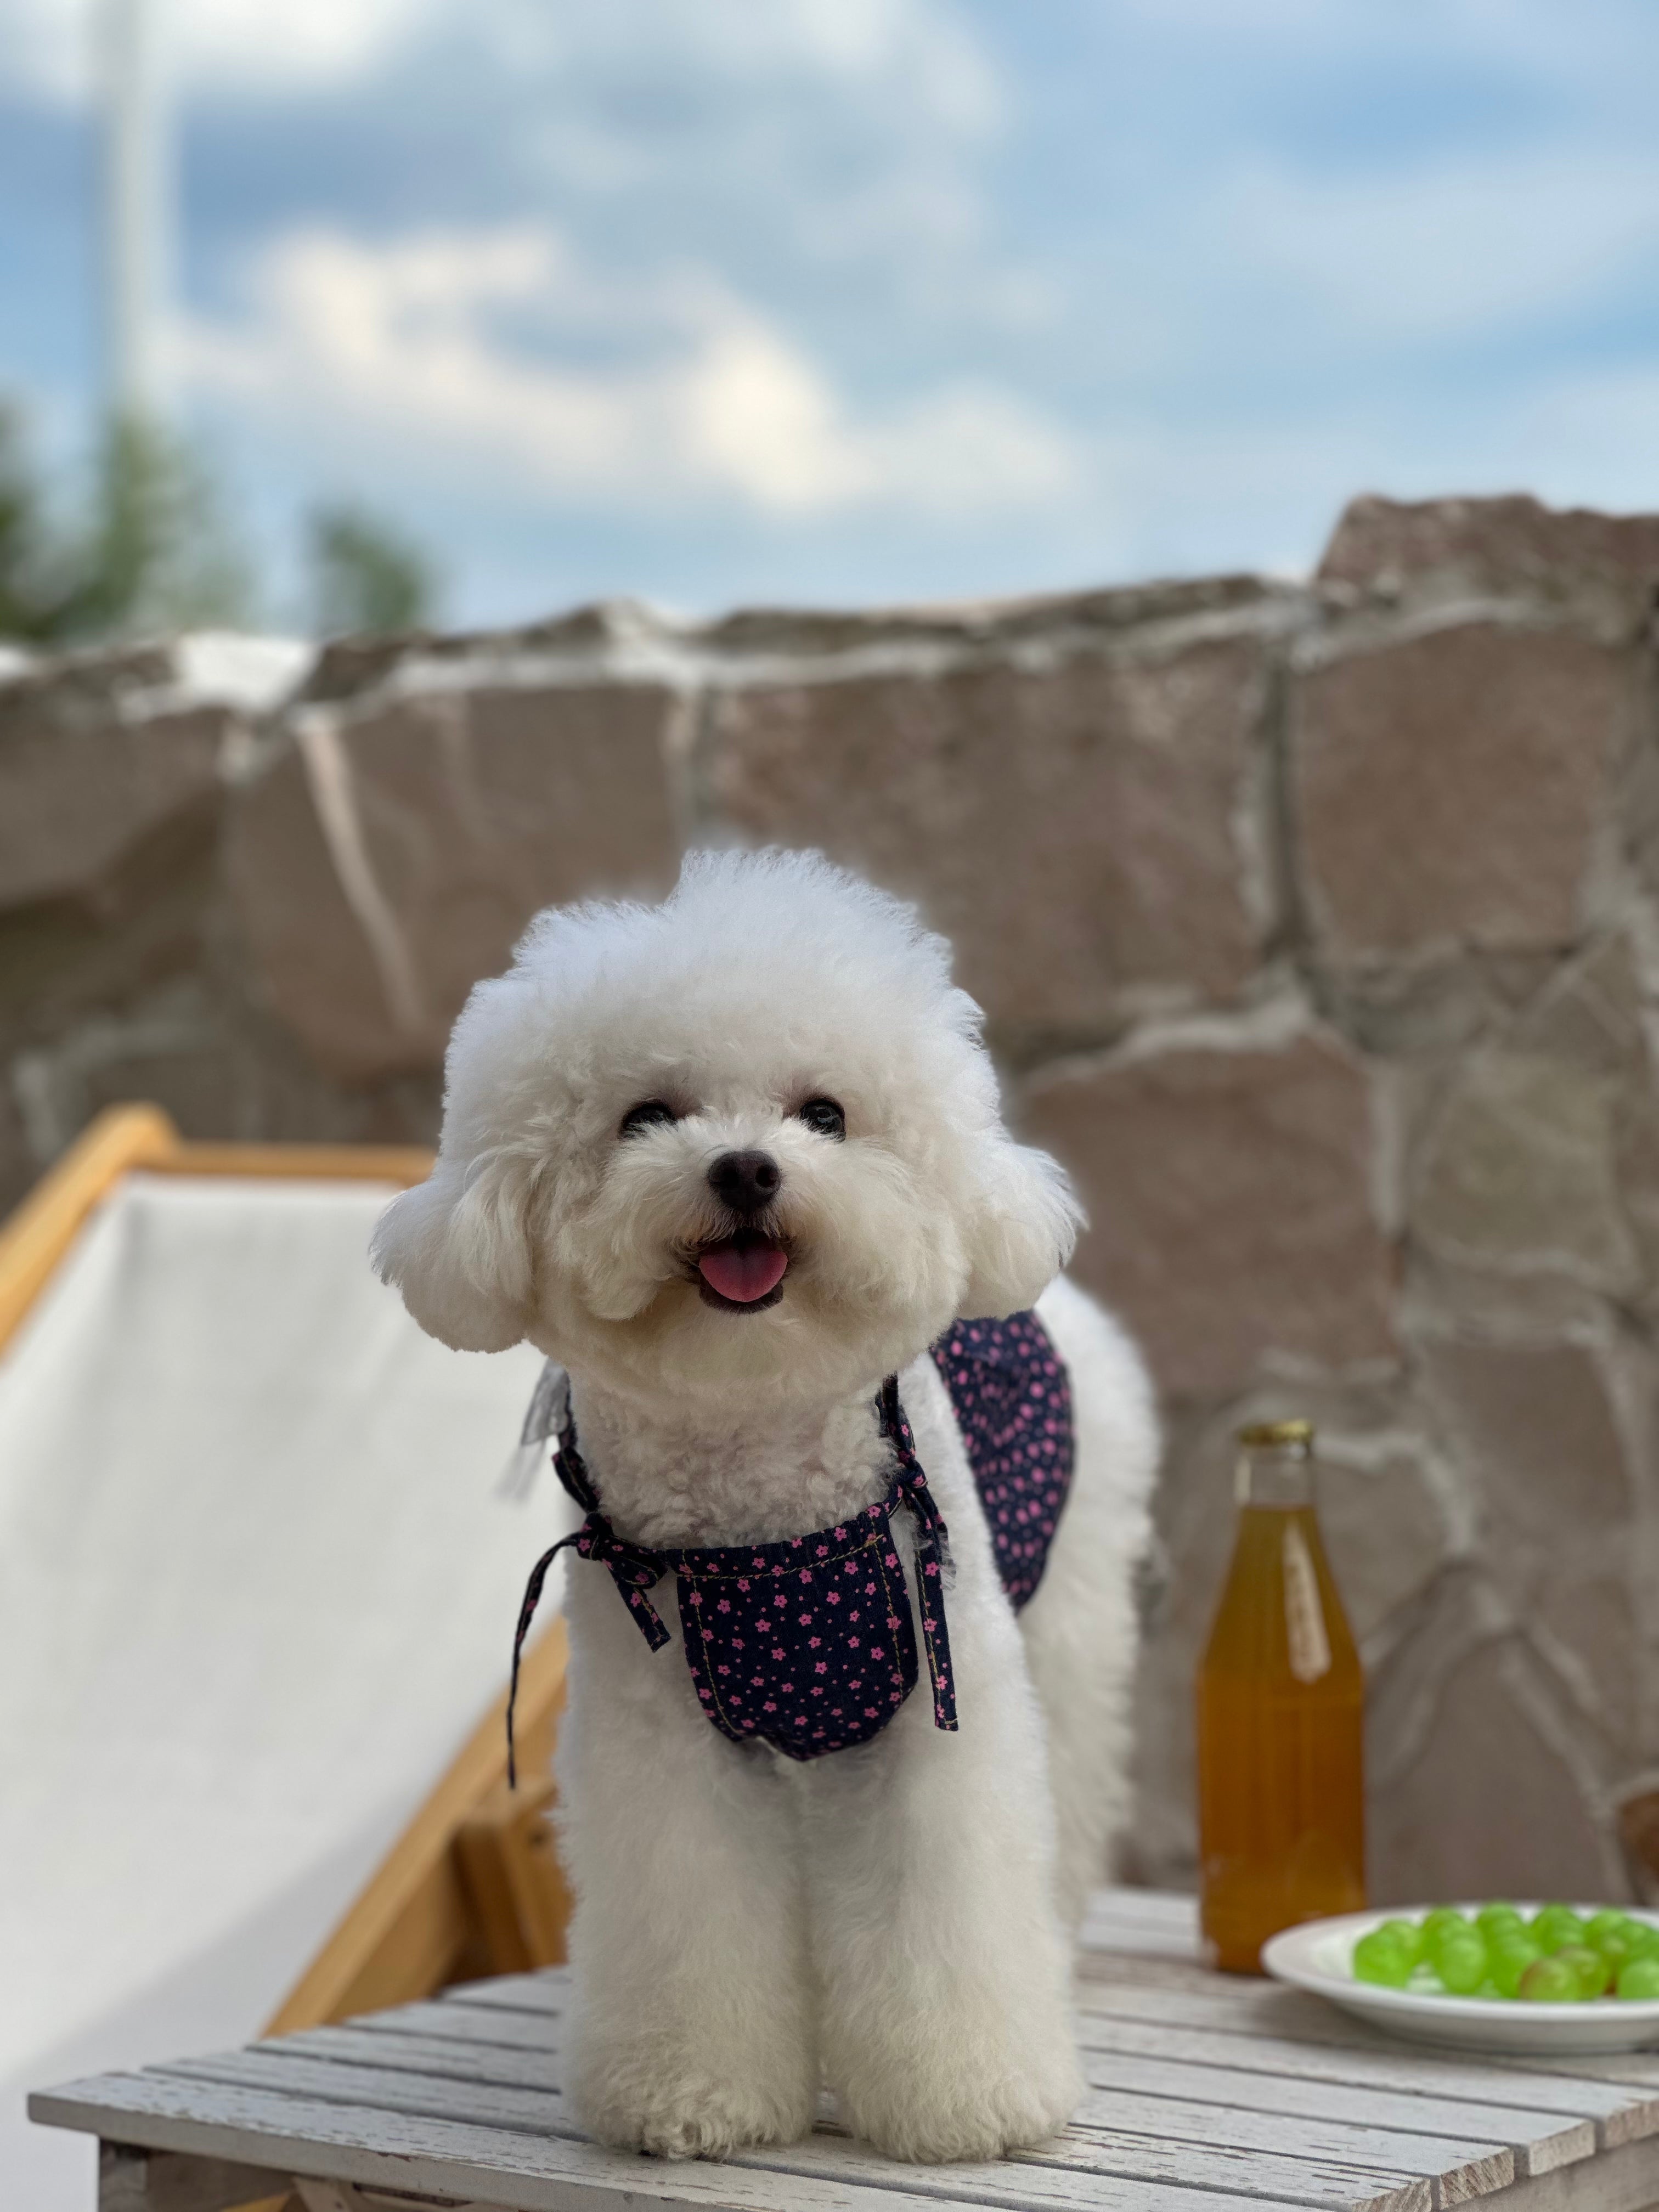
[1281, 1803]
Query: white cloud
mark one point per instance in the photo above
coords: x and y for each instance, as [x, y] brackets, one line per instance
[917, 47]
[496, 350]
[256, 47]
[50, 46]
[297, 45]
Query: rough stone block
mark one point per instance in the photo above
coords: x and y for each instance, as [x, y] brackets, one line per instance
[1518, 1174]
[1079, 831]
[1430, 1011]
[1500, 548]
[92, 771]
[1446, 786]
[1536, 1428]
[1489, 1806]
[1230, 1201]
[1536, 1425]
[391, 857]
[1590, 1011]
[1384, 1530]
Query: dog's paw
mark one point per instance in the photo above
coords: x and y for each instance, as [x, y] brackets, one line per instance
[691, 2115]
[961, 2111]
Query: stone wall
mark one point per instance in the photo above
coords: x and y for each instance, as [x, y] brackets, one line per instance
[1317, 928]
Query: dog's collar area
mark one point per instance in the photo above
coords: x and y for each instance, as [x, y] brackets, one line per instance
[808, 1644]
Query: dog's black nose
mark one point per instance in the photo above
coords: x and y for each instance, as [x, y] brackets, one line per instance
[746, 1182]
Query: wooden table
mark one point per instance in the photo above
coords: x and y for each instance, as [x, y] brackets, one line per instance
[1207, 2093]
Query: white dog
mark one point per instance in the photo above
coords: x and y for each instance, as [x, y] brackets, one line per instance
[732, 1161]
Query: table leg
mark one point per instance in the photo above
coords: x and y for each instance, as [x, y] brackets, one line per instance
[134, 2180]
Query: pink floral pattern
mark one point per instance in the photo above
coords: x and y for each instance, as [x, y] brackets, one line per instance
[1013, 1405]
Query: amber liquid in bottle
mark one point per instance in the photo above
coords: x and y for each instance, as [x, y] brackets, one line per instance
[1282, 1802]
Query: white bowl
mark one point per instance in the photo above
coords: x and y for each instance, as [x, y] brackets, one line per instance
[1319, 1956]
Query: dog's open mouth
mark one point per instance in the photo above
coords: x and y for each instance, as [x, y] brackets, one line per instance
[744, 1273]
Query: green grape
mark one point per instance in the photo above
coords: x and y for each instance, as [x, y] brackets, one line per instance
[1616, 1936]
[1382, 1958]
[1556, 1925]
[1406, 1934]
[1640, 1978]
[1436, 1924]
[1643, 1939]
[1549, 1981]
[1459, 1959]
[1510, 1959]
[1492, 1918]
[1595, 1975]
[1609, 1922]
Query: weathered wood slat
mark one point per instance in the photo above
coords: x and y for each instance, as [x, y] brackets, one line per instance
[1473, 2166]
[1637, 2069]
[1161, 1971]
[1193, 2069]
[1265, 2012]
[1254, 2009]
[1163, 1908]
[1548, 2140]
[1207, 2093]
[534, 2173]
[1045, 2183]
[1386, 2069]
[537, 2109]
[1375, 2186]
[1183, 2106]
[1623, 2180]
[513, 2031]
[1188, 1998]
[1124, 1922]
[424, 2054]
[1121, 2136]
[545, 1992]
[1135, 1899]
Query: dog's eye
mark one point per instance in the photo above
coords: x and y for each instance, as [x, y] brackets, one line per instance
[646, 1115]
[824, 1115]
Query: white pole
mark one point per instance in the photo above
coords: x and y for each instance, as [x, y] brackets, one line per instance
[135, 209]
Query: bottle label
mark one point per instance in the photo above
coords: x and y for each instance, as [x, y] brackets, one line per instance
[1304, 1615]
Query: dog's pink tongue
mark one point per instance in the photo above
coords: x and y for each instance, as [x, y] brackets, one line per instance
[743, 1272]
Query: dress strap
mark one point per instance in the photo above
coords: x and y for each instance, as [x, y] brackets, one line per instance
[933, 1552]
[633, 1568]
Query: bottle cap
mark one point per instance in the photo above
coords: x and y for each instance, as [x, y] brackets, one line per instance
[1270, 1435]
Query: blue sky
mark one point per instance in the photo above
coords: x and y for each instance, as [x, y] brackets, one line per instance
[845, 300]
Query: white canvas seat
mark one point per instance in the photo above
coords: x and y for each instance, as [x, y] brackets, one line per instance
[258, 1581]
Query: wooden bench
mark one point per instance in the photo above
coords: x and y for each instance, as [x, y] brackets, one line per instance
[1207, 2093]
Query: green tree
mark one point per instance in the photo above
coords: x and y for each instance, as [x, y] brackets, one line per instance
[34, 592]
[366, 576]
[160, 555]
[153, 554]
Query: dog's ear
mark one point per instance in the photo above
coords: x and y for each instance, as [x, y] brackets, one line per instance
[1022, 1232]
[458, 1247]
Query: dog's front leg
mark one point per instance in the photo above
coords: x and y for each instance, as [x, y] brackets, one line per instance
[946, 2023]
[692, 2026]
